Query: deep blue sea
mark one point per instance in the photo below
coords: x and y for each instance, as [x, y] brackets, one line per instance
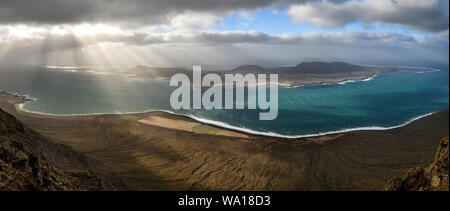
[385, 101]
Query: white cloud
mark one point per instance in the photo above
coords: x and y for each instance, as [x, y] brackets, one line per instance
[428, 15]
[191, 20]
[87, 34]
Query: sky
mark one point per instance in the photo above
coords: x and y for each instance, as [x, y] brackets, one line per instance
[223, 33]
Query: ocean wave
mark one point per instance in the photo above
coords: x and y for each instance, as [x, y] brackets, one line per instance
[353, 81]
[430, 70]
[338, 83]
[291, 87]
[24, 96]
[424, 69]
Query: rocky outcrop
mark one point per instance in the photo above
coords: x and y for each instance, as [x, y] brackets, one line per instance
[432, 178]
[30, 162]
[22, 170]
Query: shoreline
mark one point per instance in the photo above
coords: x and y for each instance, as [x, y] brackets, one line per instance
[364, 76]
[314, 81]
[214, 123]
[339, 82]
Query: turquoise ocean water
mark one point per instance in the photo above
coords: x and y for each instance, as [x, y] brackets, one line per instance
[385, 101]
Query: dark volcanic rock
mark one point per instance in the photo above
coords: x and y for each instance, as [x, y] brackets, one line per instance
[434, 177]
[59, 155]
[22, 170]
[30, 162]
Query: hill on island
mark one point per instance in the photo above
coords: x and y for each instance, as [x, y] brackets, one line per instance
[307, 72]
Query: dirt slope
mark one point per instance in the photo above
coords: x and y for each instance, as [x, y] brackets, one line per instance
[29, 161]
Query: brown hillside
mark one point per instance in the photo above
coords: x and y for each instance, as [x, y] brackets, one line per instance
[29, 161]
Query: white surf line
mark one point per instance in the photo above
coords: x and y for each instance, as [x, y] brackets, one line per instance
[277, 135]
[237, 128]
[338, 83]
[427, 69]
[362, 80]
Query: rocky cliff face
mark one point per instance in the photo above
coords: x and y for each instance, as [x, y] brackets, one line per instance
[432, 178]
[29, 161]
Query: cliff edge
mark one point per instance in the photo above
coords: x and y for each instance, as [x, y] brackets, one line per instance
[432, 178]
[31, 162]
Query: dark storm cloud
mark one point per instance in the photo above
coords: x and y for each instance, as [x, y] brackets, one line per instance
[429, 15]
[46, 11]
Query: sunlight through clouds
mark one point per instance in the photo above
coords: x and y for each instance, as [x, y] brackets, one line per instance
[163, 34]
